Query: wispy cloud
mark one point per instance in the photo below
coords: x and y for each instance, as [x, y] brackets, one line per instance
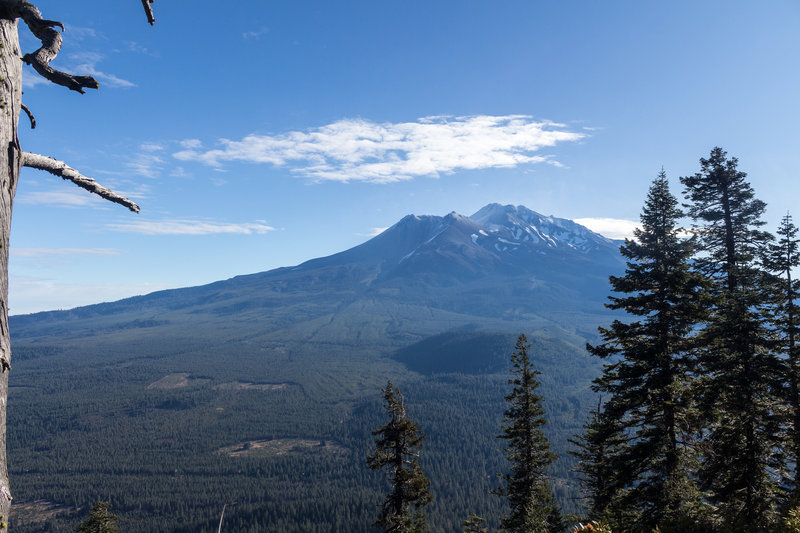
[66, 198]
[37, 253]
[149, 146]
[31, 79]
[361, 150]
[86, 62]
[255, 34]
[613, 228]
[191, 144]
[79, 33]
[189, 227]
[146, 164]
[374, 232]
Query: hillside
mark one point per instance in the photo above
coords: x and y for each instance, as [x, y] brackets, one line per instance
[263, 389]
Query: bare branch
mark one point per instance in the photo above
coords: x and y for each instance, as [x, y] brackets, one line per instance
[148, 10]
[59, 168]
[30, 116]
[51, 45]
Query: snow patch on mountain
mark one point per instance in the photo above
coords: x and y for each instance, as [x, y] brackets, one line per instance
[515, 224]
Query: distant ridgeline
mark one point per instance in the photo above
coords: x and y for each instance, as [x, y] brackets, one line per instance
[263, 389]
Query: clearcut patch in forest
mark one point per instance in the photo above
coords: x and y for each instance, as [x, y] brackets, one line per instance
[37, 512]
[177, 381]
[275, 447]
[246, 385]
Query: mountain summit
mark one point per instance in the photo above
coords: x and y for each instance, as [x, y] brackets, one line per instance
[498, 239]
[505, 266]
[513, 225]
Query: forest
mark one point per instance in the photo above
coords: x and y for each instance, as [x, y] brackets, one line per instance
[697, 425]
[694, 428]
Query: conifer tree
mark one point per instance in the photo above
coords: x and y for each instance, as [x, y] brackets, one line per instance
[397, 446]
[648, 384]
[100, 520]
[741, 374]
[474, 524]
[527, 487]
[598, 451]
[782, 257]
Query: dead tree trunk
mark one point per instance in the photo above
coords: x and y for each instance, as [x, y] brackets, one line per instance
[12, 158]
[10, 161]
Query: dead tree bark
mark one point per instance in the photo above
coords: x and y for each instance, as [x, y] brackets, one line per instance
[12, 158]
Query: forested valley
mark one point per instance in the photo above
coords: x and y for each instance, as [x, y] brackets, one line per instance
[680, 414]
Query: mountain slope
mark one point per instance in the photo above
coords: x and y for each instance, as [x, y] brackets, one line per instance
[263, 388]
[503, 259]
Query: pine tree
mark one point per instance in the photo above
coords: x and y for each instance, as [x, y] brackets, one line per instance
[397, 446]
[474, 524]
[741, 374]
[527, 486]
[100, 520]
[598, 450]
[782, 257]
[648, 385]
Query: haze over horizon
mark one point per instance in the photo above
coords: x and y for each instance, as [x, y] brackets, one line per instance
[300, 130]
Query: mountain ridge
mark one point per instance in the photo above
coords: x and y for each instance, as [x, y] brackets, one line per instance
[509, 258]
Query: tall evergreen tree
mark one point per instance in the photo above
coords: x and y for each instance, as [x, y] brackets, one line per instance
[598, 450]
[397, 446]
[741, 374]
[100, 520]
[527, 486]
[648, 384]
[782, 257]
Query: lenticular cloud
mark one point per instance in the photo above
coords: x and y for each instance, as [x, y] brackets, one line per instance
[367, 151]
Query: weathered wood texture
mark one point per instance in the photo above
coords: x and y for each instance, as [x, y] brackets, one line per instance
[10, 159]
[51, 44]
[61, 169]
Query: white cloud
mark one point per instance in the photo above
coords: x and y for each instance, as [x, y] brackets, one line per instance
[255, 34]
[79, 33]
[146, 164]
[85, 64]
[613, 228]
[191, 144]
[179, 172]
[31, 79]
[151, 146]
[37, 253]
[189, 227]
[361, 150]
[66, 198]
[374, 232]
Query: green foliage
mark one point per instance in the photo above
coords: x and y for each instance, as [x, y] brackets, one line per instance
[397, 446]
[597, 448]
[594, 526]
[100, 520]
[780, 259]
[474, 524]
[527, 486]
[792, 520]
[741, 373]
[634, 454]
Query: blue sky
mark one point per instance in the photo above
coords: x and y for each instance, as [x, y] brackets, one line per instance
[268, 133]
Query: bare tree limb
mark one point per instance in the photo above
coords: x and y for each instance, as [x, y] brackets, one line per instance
[59, 168]
[148, 10]
[30, 116]
[51, 45]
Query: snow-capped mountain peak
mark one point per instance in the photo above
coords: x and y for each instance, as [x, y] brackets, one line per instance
[514, 225]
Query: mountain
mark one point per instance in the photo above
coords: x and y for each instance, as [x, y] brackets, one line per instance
[501, 260]
[263, 388]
